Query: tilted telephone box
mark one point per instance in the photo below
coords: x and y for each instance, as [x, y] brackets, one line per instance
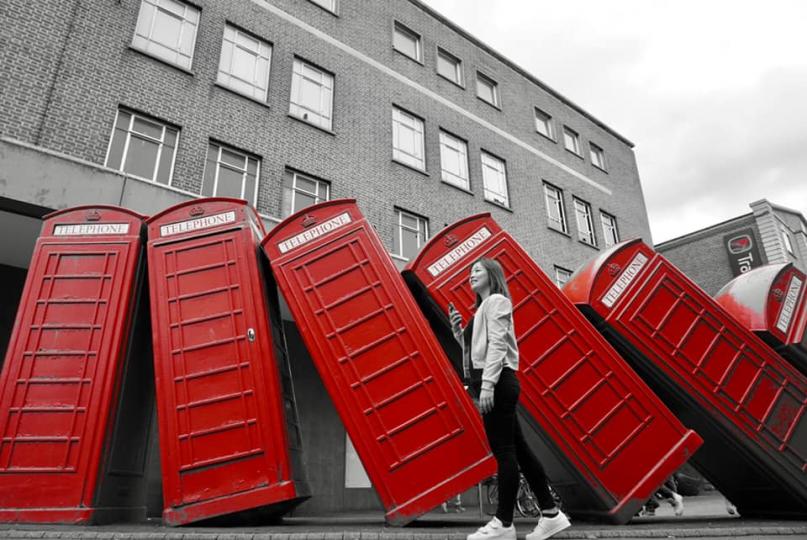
[414, 427]
[771, 301]
[606, 441]
[746, 401]
[76, 389]
[229, 435]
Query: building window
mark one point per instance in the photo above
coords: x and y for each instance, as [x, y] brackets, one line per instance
[609, 230]
[411, 233]
[407, 42]
[407, 139]
[543, 124]
[585, 226]
[166, 29]
[555, 209]
[231, 173]
[561, 276]
[330, 5]
[571, 140]
[454, 160]
[244, 64]
[311, 94]
[786, 239]
[597, 156]
[143, 147]
[300, 190]
[487, 89]
[494, 179]
[449, 66]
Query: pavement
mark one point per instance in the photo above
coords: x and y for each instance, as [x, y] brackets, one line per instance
[704, 517]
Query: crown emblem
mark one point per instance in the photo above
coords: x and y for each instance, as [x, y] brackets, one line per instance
[778, 293]
[450, 240]
[613, 269]
[196, 211]
[93, 215]
[309, 221]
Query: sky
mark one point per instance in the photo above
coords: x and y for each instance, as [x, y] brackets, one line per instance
[713, 93]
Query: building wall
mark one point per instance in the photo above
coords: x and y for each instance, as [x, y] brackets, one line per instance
[66, 67]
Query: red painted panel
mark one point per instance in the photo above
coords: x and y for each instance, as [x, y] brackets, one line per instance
[606, 439]
[771, 301]
[414, 428]
[223, 440]
[747, 402]
[60, 388]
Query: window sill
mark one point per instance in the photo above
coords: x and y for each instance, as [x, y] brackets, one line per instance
[547, 137]
[592, 246]
[564, 233]
[500, 205]
[160, 60]
[575, 154]
[307, 123]
[452, 81]
[239, 94]
[599, 168]
[415, 60]
[459, 188]
[411, 167]
[483, 100]
[398, 257]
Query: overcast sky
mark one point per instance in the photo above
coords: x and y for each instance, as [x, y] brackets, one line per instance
[713, 93]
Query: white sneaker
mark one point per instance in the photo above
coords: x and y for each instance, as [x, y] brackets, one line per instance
[494, 530]
[677, 504]
[549, 527]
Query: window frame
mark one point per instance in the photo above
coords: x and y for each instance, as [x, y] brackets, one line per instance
[561, 205]
[399, 228]
[599, 161]
[458, 69]
[400, 28]
[589, 219]
[262, 42]
[395, 137]
[559, 269]
[574, 136]
[234, 150]
[294, 190]
[443, 172]
[150, 47]
[494, 86]
[612, 225]
[485, 189]
[125, 151]
[548, 122]
[787, 241]
[304, 116]
[321, 4]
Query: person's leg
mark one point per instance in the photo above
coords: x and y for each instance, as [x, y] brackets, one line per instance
[500, 428]
[534, 472]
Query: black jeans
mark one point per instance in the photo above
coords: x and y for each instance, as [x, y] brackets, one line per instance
[511, 450]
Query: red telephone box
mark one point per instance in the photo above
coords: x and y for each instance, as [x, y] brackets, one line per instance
[606, 440]
[746, 401]
[413, 426]
[771, 302]
[75, 392]
[226, 445]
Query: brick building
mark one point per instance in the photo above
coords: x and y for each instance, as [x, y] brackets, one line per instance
[713, 256]
[145, 103]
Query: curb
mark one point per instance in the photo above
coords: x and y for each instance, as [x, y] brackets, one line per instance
[733, 532]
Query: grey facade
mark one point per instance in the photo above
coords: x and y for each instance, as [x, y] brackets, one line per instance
[67, 68]
[780, 235]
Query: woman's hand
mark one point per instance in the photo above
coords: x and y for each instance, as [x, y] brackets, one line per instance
[486, 400]
[456, 320]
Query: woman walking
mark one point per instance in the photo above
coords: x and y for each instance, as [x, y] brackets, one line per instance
[489, 343]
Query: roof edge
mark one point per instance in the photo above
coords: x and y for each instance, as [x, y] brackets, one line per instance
[687, 236]
[521, 71]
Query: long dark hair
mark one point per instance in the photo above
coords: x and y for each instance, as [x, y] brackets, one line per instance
[498, 285]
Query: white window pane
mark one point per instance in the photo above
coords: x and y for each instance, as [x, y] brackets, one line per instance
[141, 157]
[166, 29]
[153, 130]
[144, 19]
[243, 65]
[406, 42]
[230, 183]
